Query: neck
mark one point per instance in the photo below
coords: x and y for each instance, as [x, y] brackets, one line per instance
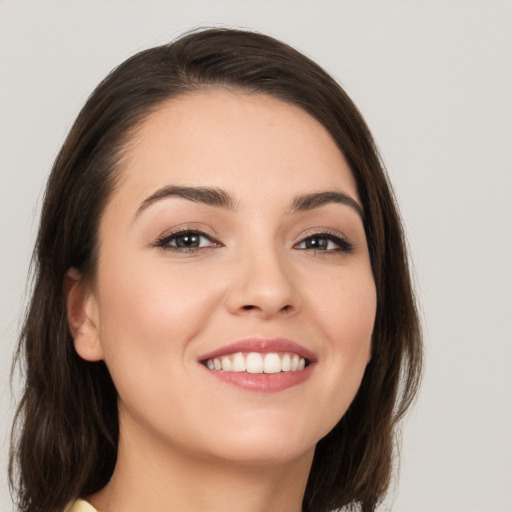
[160, 478]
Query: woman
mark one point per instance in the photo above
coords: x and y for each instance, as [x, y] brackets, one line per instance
[222, 316]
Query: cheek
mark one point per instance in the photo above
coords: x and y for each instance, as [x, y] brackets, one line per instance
[345, 305]
[149, 322]
[345, 312]
[355, 322]
[356, 317]
[150, 316]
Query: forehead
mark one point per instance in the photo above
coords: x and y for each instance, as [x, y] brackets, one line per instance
[247, 144]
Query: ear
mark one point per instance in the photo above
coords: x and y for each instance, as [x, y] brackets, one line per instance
[82, 313]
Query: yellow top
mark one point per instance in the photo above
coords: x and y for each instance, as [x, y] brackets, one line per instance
[81, 506]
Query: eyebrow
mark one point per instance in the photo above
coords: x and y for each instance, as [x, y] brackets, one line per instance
[317, 199]
[206, 195]
[219, 198]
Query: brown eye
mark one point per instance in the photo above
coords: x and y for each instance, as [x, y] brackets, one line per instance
[317, 243]
[189, 240]
[186, 240]
[325, 242]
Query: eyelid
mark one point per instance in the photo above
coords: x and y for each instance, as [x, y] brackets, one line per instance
[345, 244]
[198, 229]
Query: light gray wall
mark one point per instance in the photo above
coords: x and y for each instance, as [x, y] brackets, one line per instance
[434, 80]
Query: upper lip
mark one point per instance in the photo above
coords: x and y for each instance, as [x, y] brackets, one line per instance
[262, 346]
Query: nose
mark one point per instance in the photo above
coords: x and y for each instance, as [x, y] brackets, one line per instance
[263, 284]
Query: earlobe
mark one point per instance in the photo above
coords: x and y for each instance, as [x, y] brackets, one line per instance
[82, 314]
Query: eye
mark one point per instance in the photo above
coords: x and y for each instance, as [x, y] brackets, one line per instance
[186, 240]
[327, 242]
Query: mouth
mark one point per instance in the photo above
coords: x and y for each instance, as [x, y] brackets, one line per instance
[260, 365]
[255, 362]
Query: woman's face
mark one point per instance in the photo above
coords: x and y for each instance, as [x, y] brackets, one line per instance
[233, 241]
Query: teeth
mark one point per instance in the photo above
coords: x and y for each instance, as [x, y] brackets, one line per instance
[226, 364]
[286, 363]
[254, 362]
[272, 363]
[239, 364]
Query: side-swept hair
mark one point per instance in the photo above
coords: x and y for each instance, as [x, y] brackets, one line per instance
[64, 442]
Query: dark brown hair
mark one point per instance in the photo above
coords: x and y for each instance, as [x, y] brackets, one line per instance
[65, 436]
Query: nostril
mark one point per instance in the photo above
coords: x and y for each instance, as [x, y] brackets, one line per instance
[284, 309]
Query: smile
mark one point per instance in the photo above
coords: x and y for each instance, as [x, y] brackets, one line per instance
[261, 365]
[255, 362]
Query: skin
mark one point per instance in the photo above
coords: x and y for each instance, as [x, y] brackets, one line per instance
[189, 441]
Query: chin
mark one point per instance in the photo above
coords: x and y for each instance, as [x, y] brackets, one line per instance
[273, 454]
[267, 443]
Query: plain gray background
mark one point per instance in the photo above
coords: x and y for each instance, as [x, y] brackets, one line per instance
[434, 81]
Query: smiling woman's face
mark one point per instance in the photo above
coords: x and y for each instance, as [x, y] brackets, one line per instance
[233, 241]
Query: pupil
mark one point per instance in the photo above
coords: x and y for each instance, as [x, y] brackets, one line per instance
[187, 241]
[317, 243]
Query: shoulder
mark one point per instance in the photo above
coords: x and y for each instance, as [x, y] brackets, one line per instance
[80, 506]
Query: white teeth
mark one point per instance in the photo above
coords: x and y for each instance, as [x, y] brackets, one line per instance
[286, 363]
[272, 363]
[254, 362]
[239, 363]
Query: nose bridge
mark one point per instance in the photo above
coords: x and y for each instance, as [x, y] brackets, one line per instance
[264, 282]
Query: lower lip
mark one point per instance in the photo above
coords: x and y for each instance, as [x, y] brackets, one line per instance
[263, 382]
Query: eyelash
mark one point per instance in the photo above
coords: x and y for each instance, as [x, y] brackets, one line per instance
[344, 245]
[164, 242]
